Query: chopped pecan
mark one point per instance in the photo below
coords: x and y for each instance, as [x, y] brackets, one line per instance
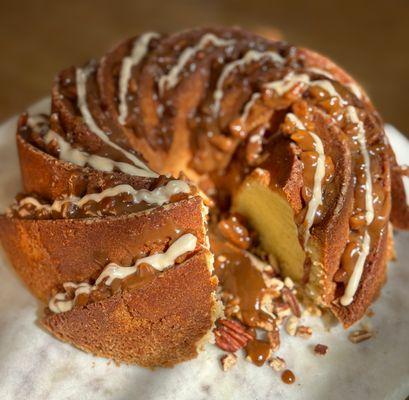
[289, 283]
[231, 335]
[274, 339]
[304, 332]
[289, 297]
[277, 363]
[291, 325]
[234, 231]
[228, 361]
[321, 349]
[360, 335]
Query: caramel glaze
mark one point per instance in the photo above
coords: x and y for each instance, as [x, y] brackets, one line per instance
[288, 377]
[258, 351]
[144, 274]
[110, 206]
[240, 278]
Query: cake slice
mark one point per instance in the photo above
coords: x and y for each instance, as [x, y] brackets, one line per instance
[151, 318]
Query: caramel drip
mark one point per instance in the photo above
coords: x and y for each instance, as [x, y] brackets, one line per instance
[288, 377]
[258, 351]
[241, 279]
[319, 174]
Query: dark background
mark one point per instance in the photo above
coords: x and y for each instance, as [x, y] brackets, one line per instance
[369, 38]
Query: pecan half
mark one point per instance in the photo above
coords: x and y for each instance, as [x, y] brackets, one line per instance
[231, 335]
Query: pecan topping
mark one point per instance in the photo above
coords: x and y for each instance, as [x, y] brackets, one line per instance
[321, 349]
[289, 297]
[291, 325]
[233, 230]
[360, 335]
[228, 361]
[277, 363]
[304, 332]
[231, 335]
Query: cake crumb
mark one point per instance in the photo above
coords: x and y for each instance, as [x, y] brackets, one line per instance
[228, 361]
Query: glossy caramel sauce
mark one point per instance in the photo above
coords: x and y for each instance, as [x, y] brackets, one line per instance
[258, 351]
[288, 377]
[240, 278]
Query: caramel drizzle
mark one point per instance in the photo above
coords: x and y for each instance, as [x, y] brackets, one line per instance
[316, 199]
[139, 50]
[250, 57]
[356, 276]
[158, 196]
[171, 79]
[112, 272]
[81, 81]
[281, 87]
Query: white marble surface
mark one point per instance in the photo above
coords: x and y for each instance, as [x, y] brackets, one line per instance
[34, 365]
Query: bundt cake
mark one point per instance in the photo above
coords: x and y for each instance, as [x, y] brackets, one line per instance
[284, 147]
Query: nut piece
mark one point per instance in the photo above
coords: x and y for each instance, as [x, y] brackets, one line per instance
[277, 363]
[228, 361]
[289, 297]
[289, 283]
[291, 325]
[231, 335]
[320, 349]
[359, 336]
[274, 339]
[304, 332]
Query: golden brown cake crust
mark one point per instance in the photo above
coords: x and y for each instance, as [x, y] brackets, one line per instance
[47, 253]
[158, 324]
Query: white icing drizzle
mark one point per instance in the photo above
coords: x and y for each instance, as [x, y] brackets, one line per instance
[352, 86]
[60, 303]
[170, 80]
[320, 71]
[356, 276]
[284, 85]
[186, 243]
[139, 51]
[249, 57]
[114, 271]
[158, 196]
[81, 81]
[249, 105]
[82, 158]
[328, 87]
[316, 198]
[369, 210]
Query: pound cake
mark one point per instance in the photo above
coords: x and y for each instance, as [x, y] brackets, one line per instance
[112, 230]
